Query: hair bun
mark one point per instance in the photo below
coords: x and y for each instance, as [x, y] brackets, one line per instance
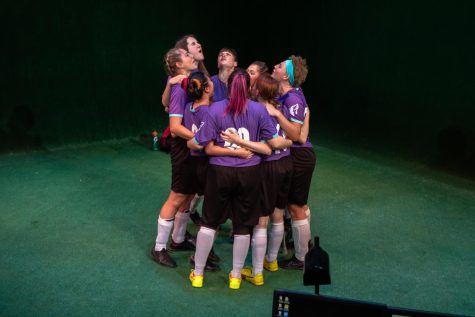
[197, 83]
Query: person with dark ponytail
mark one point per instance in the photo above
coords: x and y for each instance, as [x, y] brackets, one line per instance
[190, 44]
[200, 91]
[177, 62]
[291, 74]
[231, 181]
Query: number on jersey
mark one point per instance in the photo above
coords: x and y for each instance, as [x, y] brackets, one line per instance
[243, 134]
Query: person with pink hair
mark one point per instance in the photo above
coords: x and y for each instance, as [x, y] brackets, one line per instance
[231, 183]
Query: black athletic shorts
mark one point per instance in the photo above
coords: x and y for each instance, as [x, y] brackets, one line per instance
[182, 167]
[304, 160]
[200, 170]
[276, 178]
[233, 192]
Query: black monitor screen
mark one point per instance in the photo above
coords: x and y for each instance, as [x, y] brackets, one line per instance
[293, 304]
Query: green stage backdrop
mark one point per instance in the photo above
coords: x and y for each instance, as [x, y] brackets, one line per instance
[383, 74]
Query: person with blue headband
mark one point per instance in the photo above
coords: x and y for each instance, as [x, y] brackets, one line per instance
[291, 74]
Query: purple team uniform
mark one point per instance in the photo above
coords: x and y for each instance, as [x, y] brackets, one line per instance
[303, 156]
[276, 170]
[220, 89]
[295, 110]
[278, 154]
[193, 120]
[231, 183]
[255, 124]
[180, 154]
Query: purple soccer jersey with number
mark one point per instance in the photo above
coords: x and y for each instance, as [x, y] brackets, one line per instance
[254, 124]
[194, 120]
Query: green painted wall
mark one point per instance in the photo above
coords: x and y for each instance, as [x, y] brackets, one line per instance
[383, 74]
[400, 75]
[81, 72]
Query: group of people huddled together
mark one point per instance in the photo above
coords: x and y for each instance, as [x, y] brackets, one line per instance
[240, 143]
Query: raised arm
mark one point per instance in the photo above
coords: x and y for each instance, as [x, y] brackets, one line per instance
[166, 92]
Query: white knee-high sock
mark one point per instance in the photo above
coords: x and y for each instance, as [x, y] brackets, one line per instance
[258, 244]
[204, 243]
[275, 239]
[163, 232]
[301, 233]
[309, 216]
[240, 249]
[179, 230]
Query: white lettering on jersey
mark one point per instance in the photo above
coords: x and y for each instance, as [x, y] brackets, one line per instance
[294, 109]
[277, 127]
[195, 129]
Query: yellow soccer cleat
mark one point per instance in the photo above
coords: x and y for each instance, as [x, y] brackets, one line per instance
[271, 266]
[234, 282]
[196, 280]
[257, 280]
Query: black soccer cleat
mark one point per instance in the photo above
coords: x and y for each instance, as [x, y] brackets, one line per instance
[162, 257]
[183, 246]
[293, 264]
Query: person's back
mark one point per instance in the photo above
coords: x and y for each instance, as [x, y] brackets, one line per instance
[254, 124]
[232, 188]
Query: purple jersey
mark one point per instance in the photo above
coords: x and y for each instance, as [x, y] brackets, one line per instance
[178, 100]
[254, 124]
[220, 89]
[299, 90]
[194, 120]
[277, 154]
[295, 110]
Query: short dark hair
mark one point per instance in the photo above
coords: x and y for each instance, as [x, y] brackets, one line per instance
[230, 50]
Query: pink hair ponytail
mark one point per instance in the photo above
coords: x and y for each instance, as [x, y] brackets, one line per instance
[238, 91]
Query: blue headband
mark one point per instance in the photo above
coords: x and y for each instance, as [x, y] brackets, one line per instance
[289, 66]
